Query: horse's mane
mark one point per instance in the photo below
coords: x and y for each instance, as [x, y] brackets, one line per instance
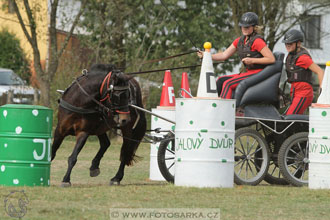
[98, 68]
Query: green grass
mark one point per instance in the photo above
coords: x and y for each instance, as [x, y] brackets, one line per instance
[91, 198]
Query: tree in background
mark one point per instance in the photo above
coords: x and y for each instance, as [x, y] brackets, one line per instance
[12, 55]
[130, 33]
[46, 76]
[278, 16]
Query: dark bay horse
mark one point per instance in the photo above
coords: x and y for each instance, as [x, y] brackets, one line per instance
[94, 103]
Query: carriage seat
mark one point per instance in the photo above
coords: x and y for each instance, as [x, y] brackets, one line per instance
[296, 117]
[261, 88]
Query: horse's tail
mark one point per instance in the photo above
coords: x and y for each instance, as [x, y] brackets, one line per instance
[138, 127]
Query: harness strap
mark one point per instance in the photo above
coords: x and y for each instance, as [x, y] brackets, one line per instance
[92, 98]
[106, 79]
[76, 109]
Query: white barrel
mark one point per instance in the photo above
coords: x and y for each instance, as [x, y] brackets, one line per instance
[324, 97]
[168, 113]
[204, 142]
[319, 148]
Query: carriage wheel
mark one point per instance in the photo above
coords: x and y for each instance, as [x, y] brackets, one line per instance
[166, 157]
[274, 175]
[250, 165]
[293, 159]
[274, 141]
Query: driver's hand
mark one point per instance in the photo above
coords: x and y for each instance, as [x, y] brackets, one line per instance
[247, 60]
[200, 54]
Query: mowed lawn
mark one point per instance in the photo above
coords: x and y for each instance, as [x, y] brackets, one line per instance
[91, 198]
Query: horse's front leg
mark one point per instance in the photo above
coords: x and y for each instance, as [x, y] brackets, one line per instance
[119, 175]
[72, 160]
[94, 170]
[58, 139]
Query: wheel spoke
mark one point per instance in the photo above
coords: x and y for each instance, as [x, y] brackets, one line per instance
[170, 166]
[293, 151]
[247, 145]
[240, 151]
[291, 158]
[240, 141]
[240, 170]
[292, 164]
[296, 170]
[251, 169]
[239, 162]
[171, 151]
[256, 165]
[273, 171]
[303, 171]
[169, 158]
[257, 150]
[246, 169]
[306, 149]
[300, 147]
[257, 158]
[252, 146]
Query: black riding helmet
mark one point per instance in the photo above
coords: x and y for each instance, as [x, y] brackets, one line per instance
[248, 19]
[293, 36]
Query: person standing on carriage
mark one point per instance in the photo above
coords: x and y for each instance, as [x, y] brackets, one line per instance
[252, 50]
[299, 67]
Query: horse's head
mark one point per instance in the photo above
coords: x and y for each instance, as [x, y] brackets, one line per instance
[119, 97]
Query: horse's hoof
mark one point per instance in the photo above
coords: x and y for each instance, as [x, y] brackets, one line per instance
[114, 183]
[94, 173]
[65, 184]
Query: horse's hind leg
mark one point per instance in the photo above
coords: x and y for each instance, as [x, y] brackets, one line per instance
[94, 170]
[128, 148]
[72, 160]
[119, 175]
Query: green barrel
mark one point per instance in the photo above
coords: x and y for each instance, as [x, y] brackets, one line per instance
[25, 145]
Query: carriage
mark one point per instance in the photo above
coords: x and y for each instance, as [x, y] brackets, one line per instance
[268, 146]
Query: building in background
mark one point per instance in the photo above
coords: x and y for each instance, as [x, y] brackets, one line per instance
[66, 12]
[316, 29]
[9, 21]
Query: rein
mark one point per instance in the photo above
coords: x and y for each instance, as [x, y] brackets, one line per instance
[103, 107]
[106, 79]
[169, 57]
[173, 68]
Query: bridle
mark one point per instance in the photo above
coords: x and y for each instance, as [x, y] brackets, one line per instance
[112, 95]
[111, 100]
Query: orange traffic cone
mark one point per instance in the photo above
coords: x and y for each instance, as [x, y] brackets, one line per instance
[185, 86]
[168, 97]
